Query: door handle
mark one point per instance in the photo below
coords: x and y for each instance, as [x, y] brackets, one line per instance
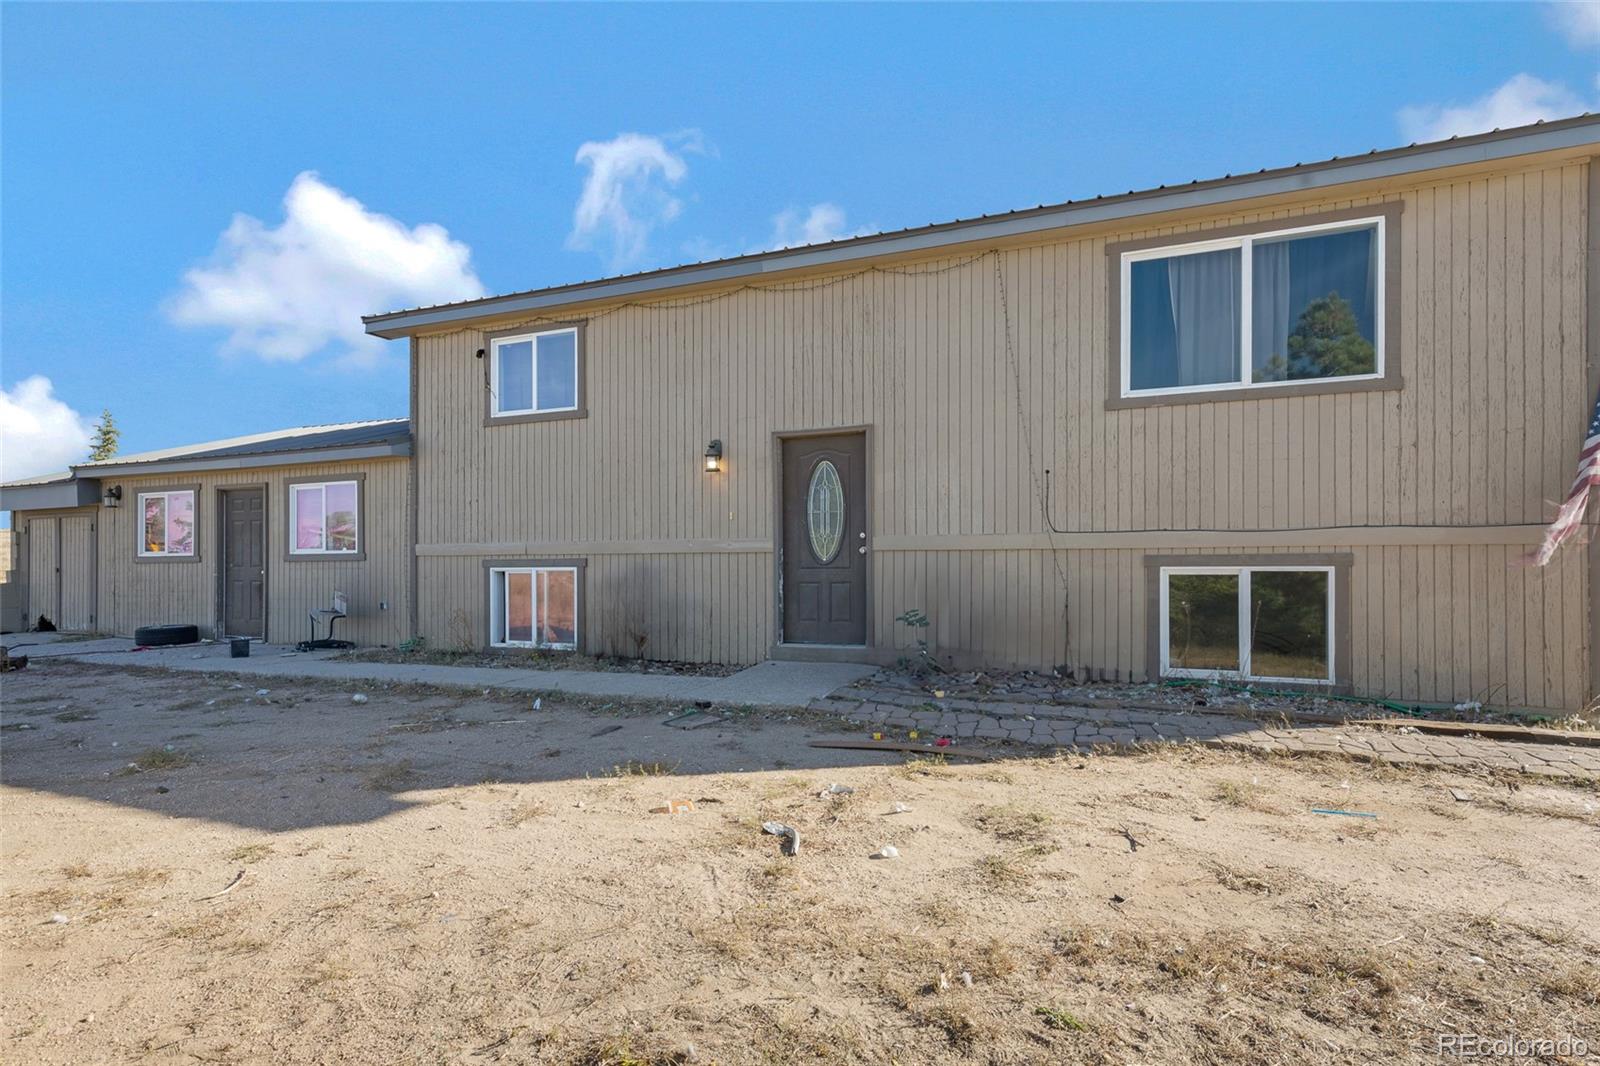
[862, 550]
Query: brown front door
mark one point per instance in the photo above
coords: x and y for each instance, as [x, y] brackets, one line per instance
[244, 562]
[825, 539]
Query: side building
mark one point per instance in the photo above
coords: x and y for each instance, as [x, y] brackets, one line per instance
[240, 537]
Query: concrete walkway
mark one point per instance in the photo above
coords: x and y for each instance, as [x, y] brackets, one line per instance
[768, 684]
[1085, 728]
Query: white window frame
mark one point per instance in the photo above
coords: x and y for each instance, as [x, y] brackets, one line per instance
[495, 409]
[166, 552]
[498, 578]
[294, 517]
[1245, 244]
[1244, 673]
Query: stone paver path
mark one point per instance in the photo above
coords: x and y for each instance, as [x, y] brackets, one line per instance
[1084, 728]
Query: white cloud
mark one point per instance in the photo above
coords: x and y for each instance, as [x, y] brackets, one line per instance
[1578, 22]
[1521, 100]
[821, 223]
[38, 433]
[288, 291]
[627, 192]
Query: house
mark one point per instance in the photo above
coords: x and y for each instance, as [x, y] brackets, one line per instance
[244, 536]
[1299, 426]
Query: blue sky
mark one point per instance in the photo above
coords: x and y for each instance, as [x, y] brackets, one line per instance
[197, 201]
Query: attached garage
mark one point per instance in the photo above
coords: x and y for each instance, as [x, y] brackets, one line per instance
[56, 521]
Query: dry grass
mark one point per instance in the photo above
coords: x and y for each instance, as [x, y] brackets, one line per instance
[526, 811]
[638, 768]
[156, 759]
[1021, 825]
[391, 777]
[1246, 796]
[250, 853]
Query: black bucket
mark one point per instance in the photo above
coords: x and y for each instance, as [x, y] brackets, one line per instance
[239, 647]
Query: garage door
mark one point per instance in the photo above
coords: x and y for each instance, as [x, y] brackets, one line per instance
[44, 570]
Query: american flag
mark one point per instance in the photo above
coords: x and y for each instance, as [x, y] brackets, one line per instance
[1570, 517]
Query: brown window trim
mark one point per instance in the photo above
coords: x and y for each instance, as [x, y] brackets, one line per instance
[1342, 563]
[138, 523]
[1389, 211]
[357, 556]
[492, 419]
[581, 565]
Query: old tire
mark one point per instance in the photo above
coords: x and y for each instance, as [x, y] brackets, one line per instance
[157, 636]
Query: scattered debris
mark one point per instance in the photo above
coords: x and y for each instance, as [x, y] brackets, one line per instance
[1347, 814]
[966, 978]
[1133, 845]
[538, 703]
[678, 806]
[895, 745]
[1118, 899]
[238, 877]
[899, 808]
[263, 691]
[1476, 960]
[835, 790]
[888, 851]
[944, 981]
[791, 836]
[58, 919]
[9, 663]
[603, 730]
[1460, 795]
[358, 698]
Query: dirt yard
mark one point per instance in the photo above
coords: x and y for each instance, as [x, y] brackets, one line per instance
[432, 876]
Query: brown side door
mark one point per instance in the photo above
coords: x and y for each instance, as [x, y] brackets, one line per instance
[244, 562]
[825, 539]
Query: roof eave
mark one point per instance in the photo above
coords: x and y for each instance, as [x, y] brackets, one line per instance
[176, 465]
[1493, 147]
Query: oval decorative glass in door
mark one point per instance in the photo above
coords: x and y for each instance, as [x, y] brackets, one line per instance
[825, 511]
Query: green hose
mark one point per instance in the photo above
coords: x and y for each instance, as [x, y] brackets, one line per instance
[1414, 710]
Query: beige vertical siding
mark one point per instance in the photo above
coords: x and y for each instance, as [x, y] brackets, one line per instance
[136, 592]
[965, 426]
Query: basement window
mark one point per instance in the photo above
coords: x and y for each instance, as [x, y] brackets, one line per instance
[533, 607]
[534, 374]
[166, 524]
[1254, 311]
[324, 518]
[1263, 623]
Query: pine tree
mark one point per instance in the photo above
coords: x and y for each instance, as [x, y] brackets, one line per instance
[104, 443]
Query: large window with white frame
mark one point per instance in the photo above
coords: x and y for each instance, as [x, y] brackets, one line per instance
[166, 524]
[1257, 310]
[1261, 623]
[324, 518]
[533, 607]
[534, 373]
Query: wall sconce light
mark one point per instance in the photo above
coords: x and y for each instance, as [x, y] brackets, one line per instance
[713, 457]
[113, 496]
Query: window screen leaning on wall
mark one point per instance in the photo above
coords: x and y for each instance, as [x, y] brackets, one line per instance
[166, 524]
[1255, 310]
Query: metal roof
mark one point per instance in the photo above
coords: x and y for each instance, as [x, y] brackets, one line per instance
[337, 441]
[300, 438]
[1573, 132]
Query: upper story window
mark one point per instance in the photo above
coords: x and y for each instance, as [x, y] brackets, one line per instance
[324, 518]
[1259, 310]
[166, 524]
[534, 373]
